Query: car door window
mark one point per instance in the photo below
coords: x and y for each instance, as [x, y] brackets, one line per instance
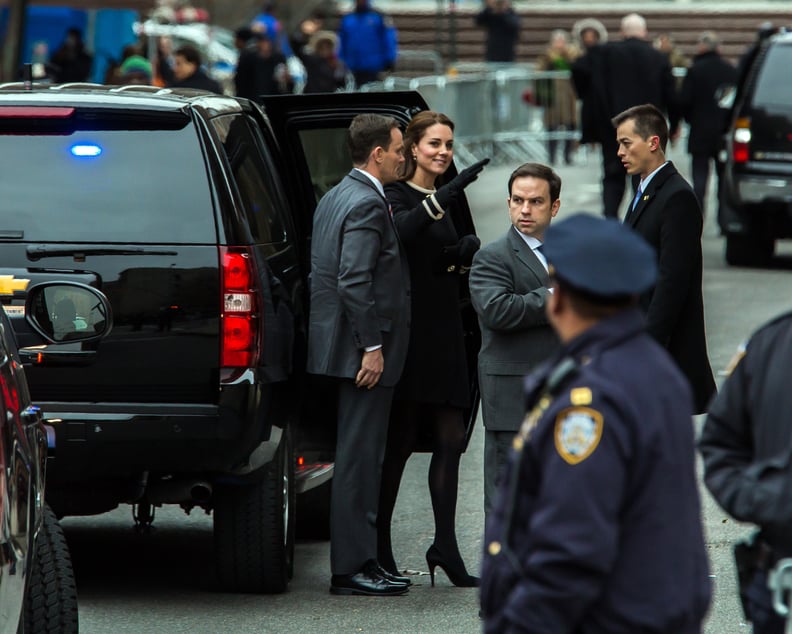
[327, 157]
[254, 177]
[773, 86]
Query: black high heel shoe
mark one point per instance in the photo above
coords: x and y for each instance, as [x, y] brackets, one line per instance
[456, 572]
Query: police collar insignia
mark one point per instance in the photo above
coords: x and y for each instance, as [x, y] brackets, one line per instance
[580, 396]
[577, 433]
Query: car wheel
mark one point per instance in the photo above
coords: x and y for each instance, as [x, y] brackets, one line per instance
[51, 599]
[254, 529]
[313, 512]
[748, 249]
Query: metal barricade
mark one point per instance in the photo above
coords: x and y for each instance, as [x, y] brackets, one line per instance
[509, 112]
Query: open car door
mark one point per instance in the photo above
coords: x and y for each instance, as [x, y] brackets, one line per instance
[310, 131]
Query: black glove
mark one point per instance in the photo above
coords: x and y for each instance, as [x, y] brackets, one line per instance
[468, 246]
[449, 191]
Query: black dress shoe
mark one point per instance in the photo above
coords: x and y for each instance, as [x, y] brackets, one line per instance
[393, 578]
[367, 581]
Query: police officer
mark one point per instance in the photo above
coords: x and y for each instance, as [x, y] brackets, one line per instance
[746, 444]
[597, 528]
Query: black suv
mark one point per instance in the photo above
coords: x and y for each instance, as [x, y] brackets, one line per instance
[756, 188]
[37, 588]
[192, 213]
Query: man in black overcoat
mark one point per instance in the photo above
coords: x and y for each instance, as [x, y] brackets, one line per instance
[613, 77]
[699, 105]
[666, 212]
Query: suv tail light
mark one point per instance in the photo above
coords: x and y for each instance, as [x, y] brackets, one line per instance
[239, 337]
[741, 140]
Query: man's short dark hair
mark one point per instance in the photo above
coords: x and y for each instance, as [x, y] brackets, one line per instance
[648, 120]
[537, 170]
[190, 53]
[366, 132]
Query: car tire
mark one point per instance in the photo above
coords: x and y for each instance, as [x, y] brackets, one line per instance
[313, 512]
[254, 529]
[748, 249]
[51, 598]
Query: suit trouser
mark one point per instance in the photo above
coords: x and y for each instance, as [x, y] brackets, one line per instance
[613, 177]
[497, 449]
[700, 169]
[362, 433]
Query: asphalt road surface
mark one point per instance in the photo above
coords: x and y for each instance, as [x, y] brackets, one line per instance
[163, 582]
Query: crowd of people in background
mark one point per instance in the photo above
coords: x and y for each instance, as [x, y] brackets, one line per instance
[330, 53]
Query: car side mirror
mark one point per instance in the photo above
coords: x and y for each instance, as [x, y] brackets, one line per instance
[68, 311]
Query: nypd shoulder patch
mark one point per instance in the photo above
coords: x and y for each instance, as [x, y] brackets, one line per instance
[577, 433]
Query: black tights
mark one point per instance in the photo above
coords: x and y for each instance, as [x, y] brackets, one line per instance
[448, 437]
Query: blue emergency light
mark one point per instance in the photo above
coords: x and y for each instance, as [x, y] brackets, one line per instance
[85, 150]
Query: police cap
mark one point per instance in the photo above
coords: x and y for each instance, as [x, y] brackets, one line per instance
[599, 256]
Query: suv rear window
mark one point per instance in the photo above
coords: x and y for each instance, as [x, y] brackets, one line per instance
[85, 180]
[773, 86]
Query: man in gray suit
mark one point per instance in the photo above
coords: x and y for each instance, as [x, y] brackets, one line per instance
[508, 286]
[358, 333]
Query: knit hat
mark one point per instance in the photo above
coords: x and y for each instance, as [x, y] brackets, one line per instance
[136, 65]
[323, 36]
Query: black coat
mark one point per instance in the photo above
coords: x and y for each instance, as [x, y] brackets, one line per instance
[503, 32]
[698, 103]
[321, 74]
[199, 80]
[581, 79]
[255, 74]
[618, 75]
[436, 369]
[669, 217]
[70, 64]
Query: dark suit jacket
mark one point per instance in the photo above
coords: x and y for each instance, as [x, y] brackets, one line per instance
[360, 283]
[669, 217]
[698, 104]
[618, 75]
[508, 288]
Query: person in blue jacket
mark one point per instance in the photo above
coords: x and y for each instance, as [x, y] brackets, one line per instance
[266, 22]
[598, 524]
[368, 42]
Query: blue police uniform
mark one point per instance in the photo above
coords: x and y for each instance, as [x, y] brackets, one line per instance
[597, 528]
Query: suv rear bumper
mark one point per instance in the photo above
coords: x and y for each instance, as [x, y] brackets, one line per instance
[761, 189]
[752, 203]
[119, 440]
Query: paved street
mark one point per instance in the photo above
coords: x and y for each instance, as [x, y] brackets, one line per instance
[163, 582]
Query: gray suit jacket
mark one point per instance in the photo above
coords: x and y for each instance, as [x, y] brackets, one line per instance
[360, 283]
[508, 287]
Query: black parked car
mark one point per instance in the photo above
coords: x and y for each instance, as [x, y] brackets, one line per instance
[756, 189]
[37, 588]
[192, 213]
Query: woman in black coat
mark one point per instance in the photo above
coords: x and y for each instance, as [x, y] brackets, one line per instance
[433, 392]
